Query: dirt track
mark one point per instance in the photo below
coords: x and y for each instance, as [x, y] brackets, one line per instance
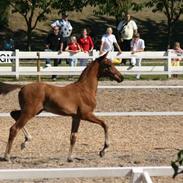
[135, 141]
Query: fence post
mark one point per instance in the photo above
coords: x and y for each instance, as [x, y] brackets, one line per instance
[169, 64]
[38, 67]
[94, 54]
[136, 175]
[17, 64]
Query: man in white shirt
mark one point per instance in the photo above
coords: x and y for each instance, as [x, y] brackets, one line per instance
[126, 29]
[107, 42]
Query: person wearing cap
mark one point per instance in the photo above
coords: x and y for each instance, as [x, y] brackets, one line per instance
[65, 28]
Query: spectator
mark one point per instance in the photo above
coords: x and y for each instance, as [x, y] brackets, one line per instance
[107, 42]
[65, 28]
[86, 44]
[126, 29]
[176, 61]
[8, 44]
[73, 47]
[137, 45]
[54, 42]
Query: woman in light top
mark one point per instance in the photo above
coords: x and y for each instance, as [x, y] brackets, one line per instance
[108, 41]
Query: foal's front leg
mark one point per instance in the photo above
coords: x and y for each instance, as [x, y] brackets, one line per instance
[73, 136]
[92, 118]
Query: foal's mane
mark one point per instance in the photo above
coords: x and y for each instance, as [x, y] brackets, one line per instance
[86, 70]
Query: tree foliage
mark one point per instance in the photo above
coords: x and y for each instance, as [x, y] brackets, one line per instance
[70, 5]
[172, 10]
[34, 11]
[116, 8]
[177, 163]
[4, 13]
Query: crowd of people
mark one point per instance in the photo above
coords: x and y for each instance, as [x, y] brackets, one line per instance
[60, 39]
[128, 39]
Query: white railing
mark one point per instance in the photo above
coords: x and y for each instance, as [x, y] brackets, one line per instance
[136, 174]
[110, 114]
[17, 69]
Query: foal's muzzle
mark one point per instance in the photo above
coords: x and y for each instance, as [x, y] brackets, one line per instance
[119, 78]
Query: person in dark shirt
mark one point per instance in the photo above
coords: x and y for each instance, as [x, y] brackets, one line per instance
[54, 42]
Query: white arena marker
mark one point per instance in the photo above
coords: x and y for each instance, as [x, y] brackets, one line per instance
[110, 114]
[140, 87]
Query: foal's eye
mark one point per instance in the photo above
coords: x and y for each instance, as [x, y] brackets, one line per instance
[109, 66]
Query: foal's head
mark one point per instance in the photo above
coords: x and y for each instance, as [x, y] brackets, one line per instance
[107, 69]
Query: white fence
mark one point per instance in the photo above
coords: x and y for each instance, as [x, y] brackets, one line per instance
[16, 69]
[110, 114]
[136, 174]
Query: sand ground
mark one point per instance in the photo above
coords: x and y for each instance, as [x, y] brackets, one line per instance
[134, 141]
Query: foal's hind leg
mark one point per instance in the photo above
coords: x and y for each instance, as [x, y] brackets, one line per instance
[24, 117]
[92, 118]
[16, 115]
[74, 130]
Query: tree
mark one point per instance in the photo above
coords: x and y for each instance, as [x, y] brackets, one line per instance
[177, 163]
[4, 13]
[172, 10]
[33, 11]
[116, 8]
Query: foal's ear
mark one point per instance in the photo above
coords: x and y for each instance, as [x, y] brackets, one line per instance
[101, 58]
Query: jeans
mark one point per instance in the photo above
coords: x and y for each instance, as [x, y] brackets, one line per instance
[48, 60]
[83, 62]
[73, 62]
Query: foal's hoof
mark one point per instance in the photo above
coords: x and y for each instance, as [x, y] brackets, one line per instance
[69, 159]
[7, 158]
[102, 153]
[23, 146]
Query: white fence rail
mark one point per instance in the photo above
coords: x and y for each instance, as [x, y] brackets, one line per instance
[136, 174]
[17, 70]
[110, 114]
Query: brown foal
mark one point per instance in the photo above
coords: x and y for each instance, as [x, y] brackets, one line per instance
[77, 100]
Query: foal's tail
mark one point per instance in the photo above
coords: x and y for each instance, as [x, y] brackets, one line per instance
[5, 88]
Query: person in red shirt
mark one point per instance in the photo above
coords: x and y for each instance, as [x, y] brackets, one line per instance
[73, 47]
[86, 44]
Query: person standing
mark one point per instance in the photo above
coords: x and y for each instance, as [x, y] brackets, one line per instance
[8, 43]
[126, 29]
[65, 28]
[54, 42]
[86, 44]
[137, 45]
[107, 42]
[176, 61]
